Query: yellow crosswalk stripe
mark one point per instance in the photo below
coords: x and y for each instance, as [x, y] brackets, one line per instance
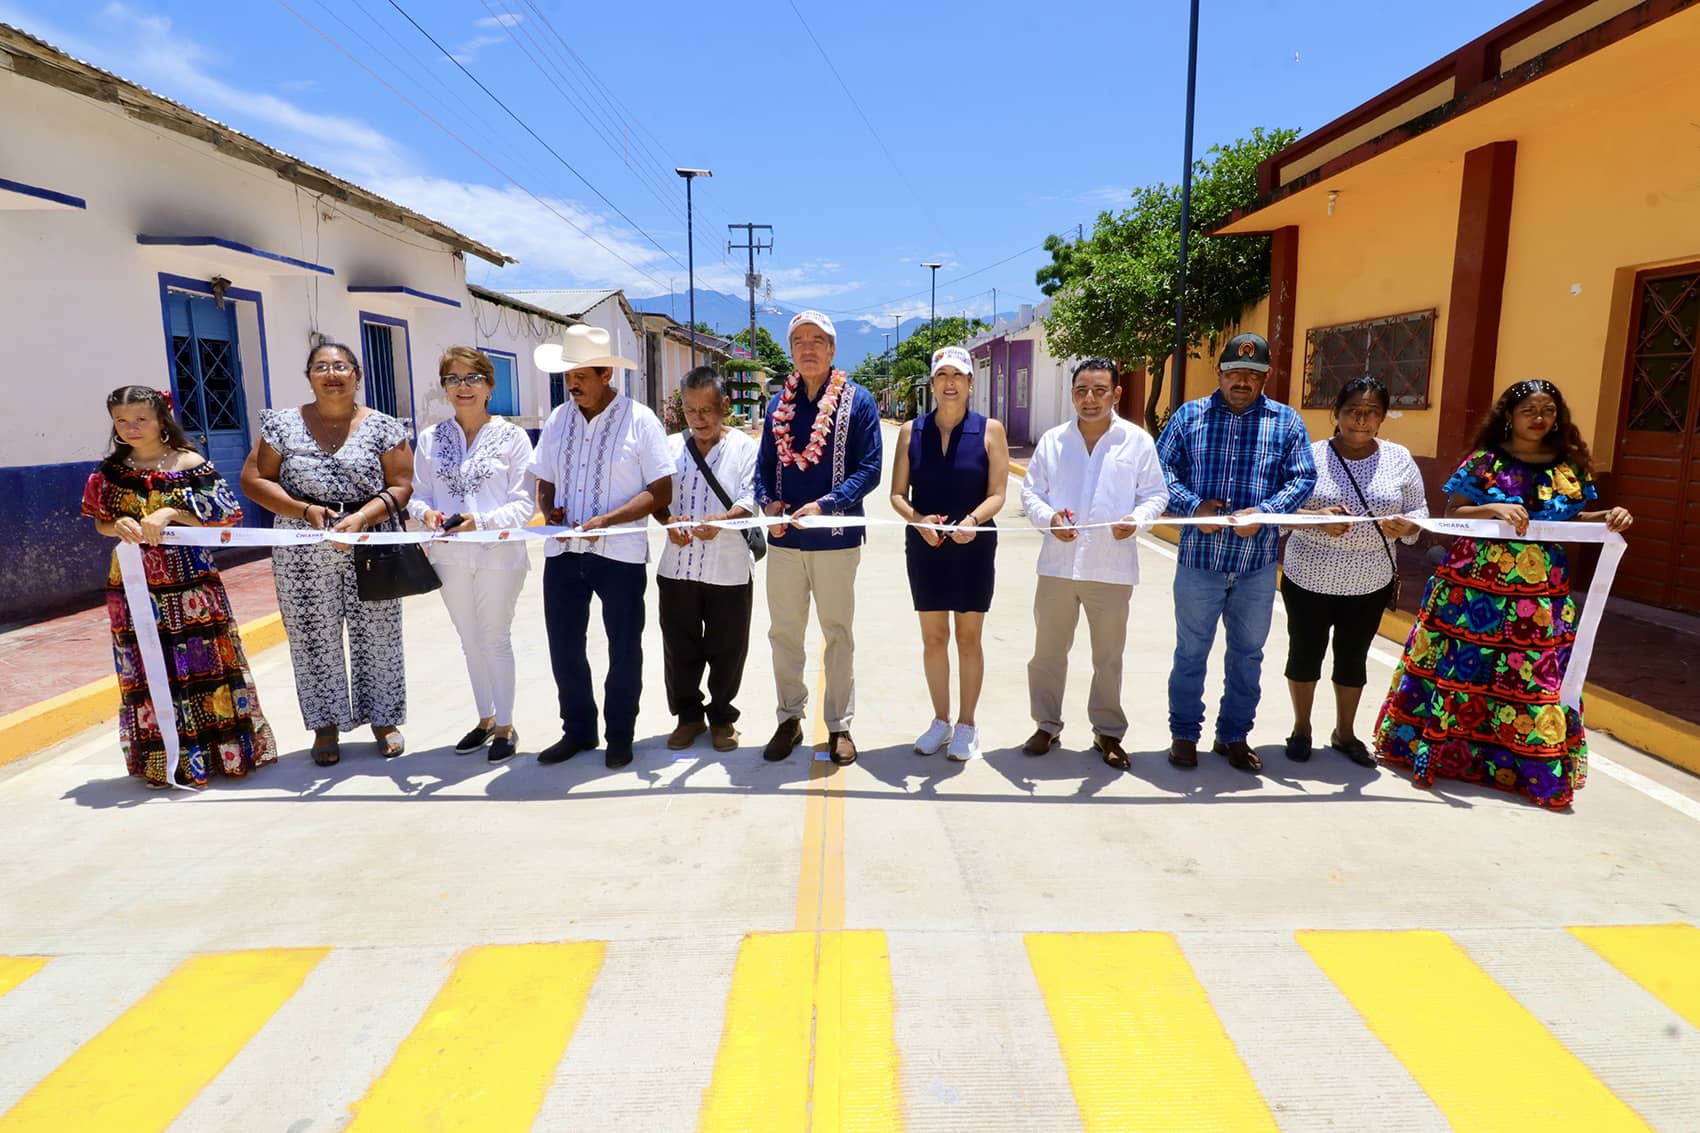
[1486, 1062]
[1143, 1048]
[807, 1008]
[140, 1072]
[1663, 958]
[14, 970]
[482, 1056]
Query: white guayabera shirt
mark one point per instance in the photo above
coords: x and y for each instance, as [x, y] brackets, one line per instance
[597, 466]
[1121, 476]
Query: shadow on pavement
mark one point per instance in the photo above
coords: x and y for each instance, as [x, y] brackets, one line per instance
[438, 774]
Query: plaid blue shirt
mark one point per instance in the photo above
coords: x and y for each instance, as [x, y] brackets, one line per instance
[1260, 458]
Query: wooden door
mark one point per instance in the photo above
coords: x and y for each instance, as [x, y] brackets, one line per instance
[1657, 470]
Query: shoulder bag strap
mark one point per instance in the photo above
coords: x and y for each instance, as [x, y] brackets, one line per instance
[707, 472]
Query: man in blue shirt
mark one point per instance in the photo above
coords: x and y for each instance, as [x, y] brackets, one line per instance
[1232, 453]
[820, 455]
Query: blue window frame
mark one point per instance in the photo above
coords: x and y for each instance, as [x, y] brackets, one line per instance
[388, 365]
[505, 399]
[557, 389]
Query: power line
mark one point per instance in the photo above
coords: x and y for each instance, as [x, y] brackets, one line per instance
[514, 24]
[923, 290]
[423, 113]
[901, 175]
[527, 128]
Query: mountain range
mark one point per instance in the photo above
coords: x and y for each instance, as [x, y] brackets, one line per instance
[729, 314]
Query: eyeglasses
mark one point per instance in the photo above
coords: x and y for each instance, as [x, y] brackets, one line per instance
[450, 381]
[330, 368]
[1092, 392]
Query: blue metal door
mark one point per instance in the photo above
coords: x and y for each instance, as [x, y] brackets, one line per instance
[206, 379]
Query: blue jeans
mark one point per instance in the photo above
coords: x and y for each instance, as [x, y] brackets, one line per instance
[569, 581]
[1245, 601]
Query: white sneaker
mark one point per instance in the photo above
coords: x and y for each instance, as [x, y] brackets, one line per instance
[934, 738]
[965, 743]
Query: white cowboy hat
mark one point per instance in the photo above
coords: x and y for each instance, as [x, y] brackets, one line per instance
[580, 346]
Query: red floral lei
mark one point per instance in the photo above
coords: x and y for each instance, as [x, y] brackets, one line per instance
[787, 409]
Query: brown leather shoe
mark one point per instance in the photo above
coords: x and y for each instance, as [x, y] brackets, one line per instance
[785, 737]
[685, 734]
[1183, 753]
[1041, 741]
[724, 737]
[842, 748]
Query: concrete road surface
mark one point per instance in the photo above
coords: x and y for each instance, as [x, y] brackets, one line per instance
[711, 942]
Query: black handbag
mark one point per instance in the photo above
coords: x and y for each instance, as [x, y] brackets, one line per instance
[754, 538]
[1387, 544]
[387, 571]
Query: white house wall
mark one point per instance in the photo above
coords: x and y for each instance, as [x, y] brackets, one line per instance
[78, 286]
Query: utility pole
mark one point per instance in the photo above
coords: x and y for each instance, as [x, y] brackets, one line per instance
[752, 244]
[994, 307]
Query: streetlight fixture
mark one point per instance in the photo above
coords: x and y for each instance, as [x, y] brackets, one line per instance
[691, 253]
[933, 326]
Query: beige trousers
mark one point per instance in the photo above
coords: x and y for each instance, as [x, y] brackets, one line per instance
[1057, 603]
[829, 578]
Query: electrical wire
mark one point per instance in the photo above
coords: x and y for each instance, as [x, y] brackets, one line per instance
[423, 113]
[866, 121]
[447, 54]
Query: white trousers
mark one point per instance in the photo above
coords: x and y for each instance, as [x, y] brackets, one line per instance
[481, 603]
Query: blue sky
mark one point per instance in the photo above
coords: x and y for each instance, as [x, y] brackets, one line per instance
[993, 124]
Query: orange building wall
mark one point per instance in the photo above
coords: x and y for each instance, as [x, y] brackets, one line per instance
[1599, 195]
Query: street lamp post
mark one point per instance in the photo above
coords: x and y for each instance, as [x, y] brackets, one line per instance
[691, 253]
[933, 323]
[933, 320]
[1178, 391]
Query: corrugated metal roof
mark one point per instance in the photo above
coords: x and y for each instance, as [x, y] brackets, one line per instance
[36, 59]
[573, 301]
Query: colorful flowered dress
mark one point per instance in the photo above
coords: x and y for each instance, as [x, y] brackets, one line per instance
[219, 723]
[1476, 694]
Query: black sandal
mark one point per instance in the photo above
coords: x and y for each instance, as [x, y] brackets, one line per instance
[327, 751]
[1241, 756]
[1353, 749]
[1111, 749]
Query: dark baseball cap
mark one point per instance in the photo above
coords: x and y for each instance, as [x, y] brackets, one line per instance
[1245, 352]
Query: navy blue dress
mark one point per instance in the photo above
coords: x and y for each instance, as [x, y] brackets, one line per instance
[952, 482]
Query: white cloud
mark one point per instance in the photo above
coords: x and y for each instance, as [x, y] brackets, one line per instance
[505, 20]
[148, 49]
[469, 50]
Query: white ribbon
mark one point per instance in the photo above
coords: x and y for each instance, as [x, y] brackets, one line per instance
[142, 621]
[153, 658]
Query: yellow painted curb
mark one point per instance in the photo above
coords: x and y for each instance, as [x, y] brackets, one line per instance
[1642, 726]
[41, 725]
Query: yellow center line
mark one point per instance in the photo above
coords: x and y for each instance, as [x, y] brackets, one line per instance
[140, 1072]
[1487, 1063]
[1663, 958]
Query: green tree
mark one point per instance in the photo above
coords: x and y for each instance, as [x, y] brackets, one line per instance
[768, 352]
[1116, 289]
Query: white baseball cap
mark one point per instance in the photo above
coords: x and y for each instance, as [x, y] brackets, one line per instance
[817, 319]
[953, 356]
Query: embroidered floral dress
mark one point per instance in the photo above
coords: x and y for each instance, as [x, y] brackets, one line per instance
[1476, 695]
[220, 726]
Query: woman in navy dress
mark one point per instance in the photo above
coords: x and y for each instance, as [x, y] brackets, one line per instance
[952, 468]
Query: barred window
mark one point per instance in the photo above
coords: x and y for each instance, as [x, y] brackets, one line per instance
[1396, 351]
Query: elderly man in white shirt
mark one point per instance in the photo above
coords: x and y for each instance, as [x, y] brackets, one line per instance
[1096, 469]
[704, 580]
[601, 462]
